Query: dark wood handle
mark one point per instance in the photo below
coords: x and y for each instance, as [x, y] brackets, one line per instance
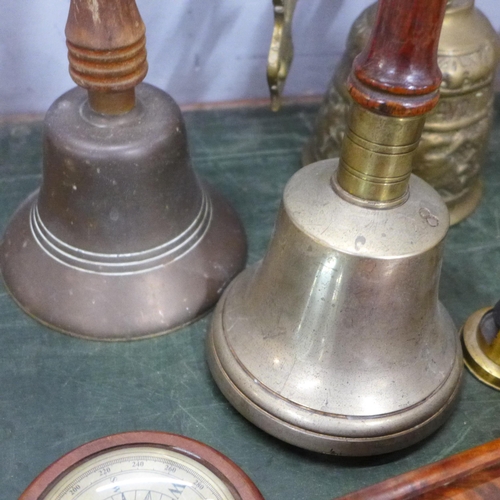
[107, 51]
[397, 73]
[472, 474]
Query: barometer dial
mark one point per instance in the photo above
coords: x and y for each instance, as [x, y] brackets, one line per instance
[143, 466]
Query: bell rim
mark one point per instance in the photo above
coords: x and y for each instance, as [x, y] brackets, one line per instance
[478, 364]
[235, 376]
[195, 305]
[318, 441]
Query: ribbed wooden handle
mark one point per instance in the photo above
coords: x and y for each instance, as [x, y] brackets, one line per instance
[472, 474]
[107, 44]
[107, 51]
[397, 73]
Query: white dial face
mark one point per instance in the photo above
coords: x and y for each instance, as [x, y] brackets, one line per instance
[139, 473]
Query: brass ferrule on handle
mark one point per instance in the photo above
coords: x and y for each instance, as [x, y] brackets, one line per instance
[394, 83]
[377, 154]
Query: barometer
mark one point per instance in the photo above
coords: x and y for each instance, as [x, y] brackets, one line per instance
[143, 466]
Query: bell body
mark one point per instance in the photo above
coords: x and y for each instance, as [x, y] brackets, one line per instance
[122, 241]
[456, 132]
[336, 342]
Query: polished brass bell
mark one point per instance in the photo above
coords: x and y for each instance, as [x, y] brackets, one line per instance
[481, 345]
[456, 132]
[122, 241]
[336, 341]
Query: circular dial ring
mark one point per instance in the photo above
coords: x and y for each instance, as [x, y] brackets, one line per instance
[238, 483]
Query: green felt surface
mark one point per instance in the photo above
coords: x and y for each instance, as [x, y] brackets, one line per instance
[58, 392]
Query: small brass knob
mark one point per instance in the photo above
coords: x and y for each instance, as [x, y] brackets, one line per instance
[481, 345]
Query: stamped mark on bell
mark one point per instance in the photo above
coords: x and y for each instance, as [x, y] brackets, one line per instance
[431, 219]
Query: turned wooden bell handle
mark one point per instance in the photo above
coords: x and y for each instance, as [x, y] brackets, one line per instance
[473, 474]
[394, 82]
[107, 51]
[397, 73]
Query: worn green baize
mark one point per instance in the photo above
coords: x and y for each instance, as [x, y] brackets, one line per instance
[58, 392]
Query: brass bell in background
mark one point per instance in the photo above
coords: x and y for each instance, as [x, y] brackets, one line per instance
[456, 132]
[336, 342]
[481, 344]
[123, 241]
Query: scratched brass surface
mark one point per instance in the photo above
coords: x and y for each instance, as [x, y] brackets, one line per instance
[57, 392]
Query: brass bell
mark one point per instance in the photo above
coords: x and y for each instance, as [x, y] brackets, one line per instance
[481, 345]
[456, 133]
[336, 342]
[122, 241]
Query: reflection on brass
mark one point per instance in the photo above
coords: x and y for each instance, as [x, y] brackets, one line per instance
[336, 341]
[456, 132]
[281, 50]
[377, 155]
[481, 345]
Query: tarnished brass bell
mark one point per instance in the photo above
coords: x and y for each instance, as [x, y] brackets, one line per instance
[122, 241]
[481, 344]
[456, 132]
[336, 341]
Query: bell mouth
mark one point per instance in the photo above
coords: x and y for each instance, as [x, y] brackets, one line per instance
[121, 297]
[314, 428]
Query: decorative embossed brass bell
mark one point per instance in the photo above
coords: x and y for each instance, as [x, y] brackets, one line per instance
[456, 132]
[336, 341]
[122, 241]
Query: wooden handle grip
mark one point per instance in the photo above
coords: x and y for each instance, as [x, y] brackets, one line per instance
[397, 73]
[472, 474]
[106, 44]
